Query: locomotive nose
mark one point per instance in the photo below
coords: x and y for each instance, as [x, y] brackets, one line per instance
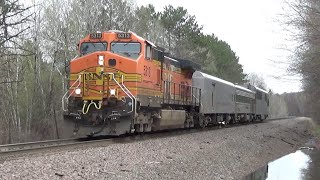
[102, 75]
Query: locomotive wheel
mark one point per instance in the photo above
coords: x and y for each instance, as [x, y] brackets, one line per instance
[191, 124]
[186, 124]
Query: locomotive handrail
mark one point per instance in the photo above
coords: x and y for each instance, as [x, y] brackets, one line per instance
[167, 96]
[124, 90]
[197, 99]
[74, 57]
[64, 96]
[135, 99]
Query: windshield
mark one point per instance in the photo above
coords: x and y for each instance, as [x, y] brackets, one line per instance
[130, 50]
[89, 47]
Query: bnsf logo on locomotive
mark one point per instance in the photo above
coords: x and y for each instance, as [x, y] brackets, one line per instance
[98, 76]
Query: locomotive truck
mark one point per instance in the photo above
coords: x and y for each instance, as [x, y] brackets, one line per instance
[122, 83]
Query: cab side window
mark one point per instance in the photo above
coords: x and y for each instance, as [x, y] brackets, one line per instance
[155, 54]
[148, 52]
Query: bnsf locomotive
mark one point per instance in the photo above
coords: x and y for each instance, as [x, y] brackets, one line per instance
[122, 83]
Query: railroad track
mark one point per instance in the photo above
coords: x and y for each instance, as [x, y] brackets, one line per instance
[7, 148]
[39, 145]
[281, 118]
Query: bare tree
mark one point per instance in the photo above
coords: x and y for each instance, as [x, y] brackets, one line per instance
[278, 106]
[306, 18]
[257, 80]
[14, 19]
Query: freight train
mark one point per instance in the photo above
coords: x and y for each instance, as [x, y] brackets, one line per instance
[122, 83]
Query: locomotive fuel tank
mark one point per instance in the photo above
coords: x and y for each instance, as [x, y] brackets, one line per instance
[171, 119]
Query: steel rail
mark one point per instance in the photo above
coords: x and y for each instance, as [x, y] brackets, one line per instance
[39, 145]
[34, 145]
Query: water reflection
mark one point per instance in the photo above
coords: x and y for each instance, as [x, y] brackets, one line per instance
[303, 164]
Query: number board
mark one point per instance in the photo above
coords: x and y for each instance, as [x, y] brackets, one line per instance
[96, 36]
[124, 35]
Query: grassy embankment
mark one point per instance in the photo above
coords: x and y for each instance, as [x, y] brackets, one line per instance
[315, 129]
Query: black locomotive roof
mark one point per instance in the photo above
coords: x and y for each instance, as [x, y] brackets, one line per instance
[189, 64]
[186, 64]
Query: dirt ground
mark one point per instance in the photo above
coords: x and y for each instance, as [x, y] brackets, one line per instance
[227, 153]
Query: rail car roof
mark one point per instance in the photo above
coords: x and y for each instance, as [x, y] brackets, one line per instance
[198, 73]
[262, 90]
[244, 89]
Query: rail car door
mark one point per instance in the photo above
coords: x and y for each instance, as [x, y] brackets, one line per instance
[253, 106]
[212, 96]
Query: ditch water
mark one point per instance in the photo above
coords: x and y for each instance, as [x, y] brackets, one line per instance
[304, 164]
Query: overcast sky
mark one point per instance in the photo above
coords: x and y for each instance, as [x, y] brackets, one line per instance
[251, 28]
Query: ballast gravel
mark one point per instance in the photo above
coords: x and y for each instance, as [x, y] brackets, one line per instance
[227, 153]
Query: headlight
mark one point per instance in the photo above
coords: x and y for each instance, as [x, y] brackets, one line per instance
[78, 91]
[100, 60]
[112, 92]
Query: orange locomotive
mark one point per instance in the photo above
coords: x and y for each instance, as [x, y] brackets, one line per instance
[122, 83]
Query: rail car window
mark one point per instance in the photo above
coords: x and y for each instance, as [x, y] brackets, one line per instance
[243, 99]
[127, 49]
[90, 47]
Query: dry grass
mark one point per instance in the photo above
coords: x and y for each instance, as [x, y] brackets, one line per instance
[315, 129]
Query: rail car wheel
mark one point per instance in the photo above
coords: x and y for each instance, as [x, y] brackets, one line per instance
[259, 118]
[203, 121]
[255, 118]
